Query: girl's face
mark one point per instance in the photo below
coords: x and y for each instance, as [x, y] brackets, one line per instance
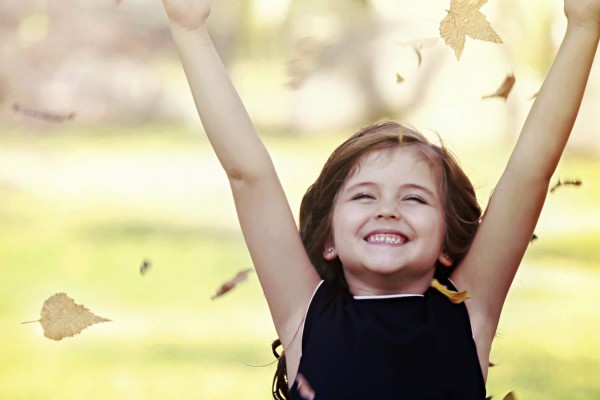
[388, 223]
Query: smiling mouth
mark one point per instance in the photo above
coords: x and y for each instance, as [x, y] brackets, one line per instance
[386, 238]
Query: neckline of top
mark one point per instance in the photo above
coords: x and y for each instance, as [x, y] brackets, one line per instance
[386, 296]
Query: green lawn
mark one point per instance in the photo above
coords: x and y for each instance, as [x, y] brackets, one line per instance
[80, 210]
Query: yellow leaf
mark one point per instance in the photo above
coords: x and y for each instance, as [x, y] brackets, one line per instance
[504, 89]
[465, 19]
[61, 317]
[453, 296]
[399, 78]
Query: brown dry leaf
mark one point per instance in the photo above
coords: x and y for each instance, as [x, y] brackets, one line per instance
[533, 238]
[454, 297]
[465, 19]
[504, 89]
[61, 317]
[43, 115]
[230, 284]
[576, 182]
[304, 388]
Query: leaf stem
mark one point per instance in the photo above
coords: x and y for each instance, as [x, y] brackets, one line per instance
[29, 322]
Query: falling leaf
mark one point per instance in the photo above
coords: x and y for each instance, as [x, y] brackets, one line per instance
[453, 296]
[510, 396]
[230, 284]
[302, 61]
[491, 364]
[533, 237]
[465, 19]
[43, 115]
[61, 317]
[306, 392]
[419, 55]
[146, 264]
[504, 89]
[575, 182]
[399, 78]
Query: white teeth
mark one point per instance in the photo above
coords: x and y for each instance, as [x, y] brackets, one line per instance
[386, 238]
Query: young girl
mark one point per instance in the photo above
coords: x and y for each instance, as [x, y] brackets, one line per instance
[389, 213]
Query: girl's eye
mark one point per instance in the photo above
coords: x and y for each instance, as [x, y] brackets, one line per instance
[363, 196]
[417, 199]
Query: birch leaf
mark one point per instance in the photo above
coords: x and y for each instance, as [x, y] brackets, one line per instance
[233, 282]
[61, 317]
[504, 89]
[465, 19]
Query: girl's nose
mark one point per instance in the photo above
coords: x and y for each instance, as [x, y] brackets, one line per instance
[387, 212]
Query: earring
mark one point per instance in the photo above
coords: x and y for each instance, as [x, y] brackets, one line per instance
[330, 250]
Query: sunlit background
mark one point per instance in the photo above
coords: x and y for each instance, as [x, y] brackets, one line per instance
[103, 164]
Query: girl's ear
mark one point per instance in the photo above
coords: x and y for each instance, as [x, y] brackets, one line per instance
[329, 252]
[445, 259]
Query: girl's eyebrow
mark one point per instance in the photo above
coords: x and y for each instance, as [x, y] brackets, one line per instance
[403, 186]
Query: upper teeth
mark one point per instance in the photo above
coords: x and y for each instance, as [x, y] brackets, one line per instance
[386, 238]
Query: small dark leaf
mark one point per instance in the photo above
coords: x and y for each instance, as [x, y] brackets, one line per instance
[575, 182]
[43, 115]
[510, 396]
[146, 265]
[230, 284]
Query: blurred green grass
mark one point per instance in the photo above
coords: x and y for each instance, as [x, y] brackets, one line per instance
[82, 208]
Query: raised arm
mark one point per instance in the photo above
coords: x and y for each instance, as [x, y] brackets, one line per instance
[507, 226]
[283, 268]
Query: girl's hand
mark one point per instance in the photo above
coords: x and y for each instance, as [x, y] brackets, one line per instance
[187, 14]
[583, 12]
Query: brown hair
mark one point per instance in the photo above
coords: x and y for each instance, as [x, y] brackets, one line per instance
[462, 211]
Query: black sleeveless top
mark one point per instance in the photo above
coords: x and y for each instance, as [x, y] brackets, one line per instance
[409, 347]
